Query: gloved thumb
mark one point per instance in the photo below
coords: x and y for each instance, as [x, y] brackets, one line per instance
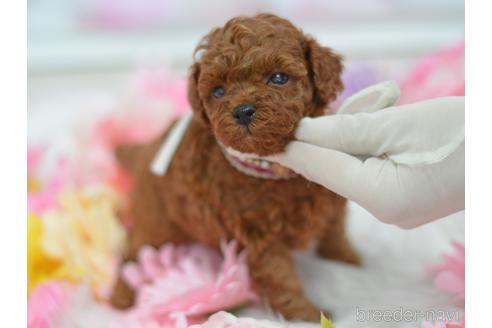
[371, 99]
[334, 170]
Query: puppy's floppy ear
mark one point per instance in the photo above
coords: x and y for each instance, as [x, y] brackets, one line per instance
[194, 98]
[326, 69]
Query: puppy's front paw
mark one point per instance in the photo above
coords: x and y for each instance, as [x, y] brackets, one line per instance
[303, 310]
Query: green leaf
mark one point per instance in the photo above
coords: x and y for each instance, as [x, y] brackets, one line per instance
[325, 322]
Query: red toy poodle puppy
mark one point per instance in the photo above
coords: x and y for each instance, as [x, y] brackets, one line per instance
[253, 81]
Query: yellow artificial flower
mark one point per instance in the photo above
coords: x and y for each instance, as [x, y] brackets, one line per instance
[85, 234]
[33, 185]
[41, 266]
[325, 322]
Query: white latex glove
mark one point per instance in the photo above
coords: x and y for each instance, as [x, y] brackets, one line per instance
[404, 164]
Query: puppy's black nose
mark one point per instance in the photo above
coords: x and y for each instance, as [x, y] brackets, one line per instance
[244, 113]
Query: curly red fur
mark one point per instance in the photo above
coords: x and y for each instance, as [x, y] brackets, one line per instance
[240, 57]
[203, 198]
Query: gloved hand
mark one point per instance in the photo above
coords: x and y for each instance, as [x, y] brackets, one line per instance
[404, 164]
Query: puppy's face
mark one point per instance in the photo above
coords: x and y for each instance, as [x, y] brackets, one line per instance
[256, 78]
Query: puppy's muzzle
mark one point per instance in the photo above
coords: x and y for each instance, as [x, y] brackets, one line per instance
[244, 114]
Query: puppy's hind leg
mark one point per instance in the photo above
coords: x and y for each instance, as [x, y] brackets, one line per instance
[151, 228]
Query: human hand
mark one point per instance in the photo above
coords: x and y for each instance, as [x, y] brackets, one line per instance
[404, 164]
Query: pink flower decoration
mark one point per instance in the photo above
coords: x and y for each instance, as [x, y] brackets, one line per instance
[131, 125]
[460, 324]
[450, 274]
[46, 303]
[34, 157]
[162, 85]
[177, 285]
[226, 320]
[46, 198]
[157, 98]
[438, 75]
[126, 126]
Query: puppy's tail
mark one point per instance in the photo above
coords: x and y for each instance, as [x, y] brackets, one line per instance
[128, 155]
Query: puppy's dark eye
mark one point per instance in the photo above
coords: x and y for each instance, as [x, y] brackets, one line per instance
[278, 78]
[218, 92]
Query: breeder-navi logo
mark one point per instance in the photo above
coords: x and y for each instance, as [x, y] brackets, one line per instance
[406, 315]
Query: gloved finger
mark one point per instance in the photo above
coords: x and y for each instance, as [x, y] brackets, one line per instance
[350, 133]
[332, 169]
[368, 183]
[413, 134]
[371, 99]
[357, 134]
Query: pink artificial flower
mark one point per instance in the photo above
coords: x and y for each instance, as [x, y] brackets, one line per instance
[158, 97]
[450, 274]
[45, 304]
[130, 125]
[34, 157]
[226, 320]
[44, 196]
[438, 75]
[164, 86]
[134, 125]
[179, 285]
[460, 324]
